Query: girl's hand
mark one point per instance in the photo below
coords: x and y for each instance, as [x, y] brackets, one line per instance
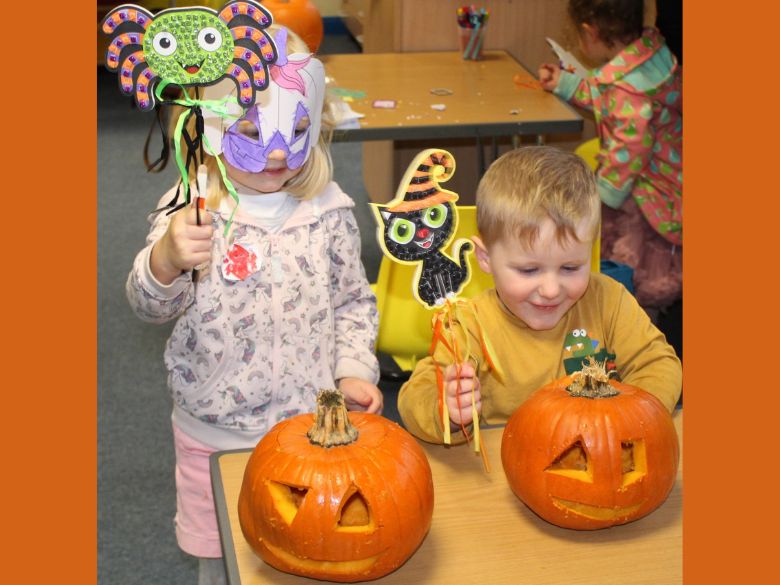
[361, 395]
[183, 246]
[459, 380]
[549, 75]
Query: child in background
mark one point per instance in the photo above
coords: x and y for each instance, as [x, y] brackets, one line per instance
[278, 309]
[537, 217]
[635, 95]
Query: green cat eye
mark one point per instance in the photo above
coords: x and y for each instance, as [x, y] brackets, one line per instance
[401, 231]
[435, 216]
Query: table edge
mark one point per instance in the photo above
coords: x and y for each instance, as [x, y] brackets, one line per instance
[461, 131]
[223, 522]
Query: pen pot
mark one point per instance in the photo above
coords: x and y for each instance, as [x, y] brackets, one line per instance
[470, 41]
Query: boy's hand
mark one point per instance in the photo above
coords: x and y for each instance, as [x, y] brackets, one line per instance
[183, 246]
[459, 380]
[361, 395]
[549, 75]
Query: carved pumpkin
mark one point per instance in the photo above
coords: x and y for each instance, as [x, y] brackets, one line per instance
[587, 452]
[300, 16]
[348, 499]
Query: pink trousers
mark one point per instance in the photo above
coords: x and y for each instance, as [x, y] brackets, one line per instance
[196, 519]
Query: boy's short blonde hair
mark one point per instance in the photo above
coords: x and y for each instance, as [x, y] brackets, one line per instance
[316, 172]
[527, 185]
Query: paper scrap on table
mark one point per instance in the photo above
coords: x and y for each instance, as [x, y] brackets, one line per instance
[568, 61]
[384, 104]
[345, 116]
[343, 92]
[521, 80]
[439, 107]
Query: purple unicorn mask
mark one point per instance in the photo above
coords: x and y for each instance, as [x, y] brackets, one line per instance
[275, 121]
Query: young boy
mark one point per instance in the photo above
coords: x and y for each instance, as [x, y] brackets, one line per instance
[537, 216]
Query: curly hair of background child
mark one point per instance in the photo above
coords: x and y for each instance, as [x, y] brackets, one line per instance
[270, 313]
[635, 94]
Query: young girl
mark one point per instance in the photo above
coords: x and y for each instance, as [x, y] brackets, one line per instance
[270, 314]
[635, 94]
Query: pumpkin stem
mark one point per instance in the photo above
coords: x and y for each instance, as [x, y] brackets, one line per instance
[592, 381]
[331, 424]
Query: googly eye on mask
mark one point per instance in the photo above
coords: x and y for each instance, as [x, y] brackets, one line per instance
[286, 116]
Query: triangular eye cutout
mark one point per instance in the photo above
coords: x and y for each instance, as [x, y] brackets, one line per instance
[633, 460]
[572, 462]
[287, 499]
[355, 515]
[572, 458]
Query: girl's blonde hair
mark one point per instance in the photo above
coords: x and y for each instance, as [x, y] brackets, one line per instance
[527, 185]
[315, 173]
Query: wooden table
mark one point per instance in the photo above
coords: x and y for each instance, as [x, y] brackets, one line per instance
[481, 533]
[486, 112]
[485, 100]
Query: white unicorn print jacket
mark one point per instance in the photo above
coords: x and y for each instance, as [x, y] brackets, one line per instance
[247, 353]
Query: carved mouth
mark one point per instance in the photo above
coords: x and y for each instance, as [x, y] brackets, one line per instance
[355, 566]
[594, 512]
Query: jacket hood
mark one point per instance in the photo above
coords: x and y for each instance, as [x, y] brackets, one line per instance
[649, 52]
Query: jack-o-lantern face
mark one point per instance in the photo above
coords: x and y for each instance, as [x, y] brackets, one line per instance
[583, 472]
[347, 542]
[589, 463]
[344, 513]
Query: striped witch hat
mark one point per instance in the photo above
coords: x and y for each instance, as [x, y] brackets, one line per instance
[419, 187]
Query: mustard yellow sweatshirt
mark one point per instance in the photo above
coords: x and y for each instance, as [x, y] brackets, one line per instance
[606, 322]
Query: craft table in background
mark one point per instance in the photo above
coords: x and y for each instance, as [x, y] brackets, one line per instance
[481, 533]
[485, 104]
[484, 101]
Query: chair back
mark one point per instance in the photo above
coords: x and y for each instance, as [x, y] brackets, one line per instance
[587, 151]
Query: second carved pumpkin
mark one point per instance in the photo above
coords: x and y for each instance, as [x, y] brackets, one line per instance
[588, 452]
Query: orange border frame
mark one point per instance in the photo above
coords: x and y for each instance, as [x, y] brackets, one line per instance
[49, 294]
[731, 208]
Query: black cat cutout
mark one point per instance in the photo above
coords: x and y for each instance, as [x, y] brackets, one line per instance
[416, 226]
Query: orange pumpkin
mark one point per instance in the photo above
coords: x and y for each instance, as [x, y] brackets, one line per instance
[347, 499]
[588, 452]
[300, 16]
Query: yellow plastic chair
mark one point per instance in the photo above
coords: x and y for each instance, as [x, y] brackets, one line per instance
[587, 151]
[404, 324]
